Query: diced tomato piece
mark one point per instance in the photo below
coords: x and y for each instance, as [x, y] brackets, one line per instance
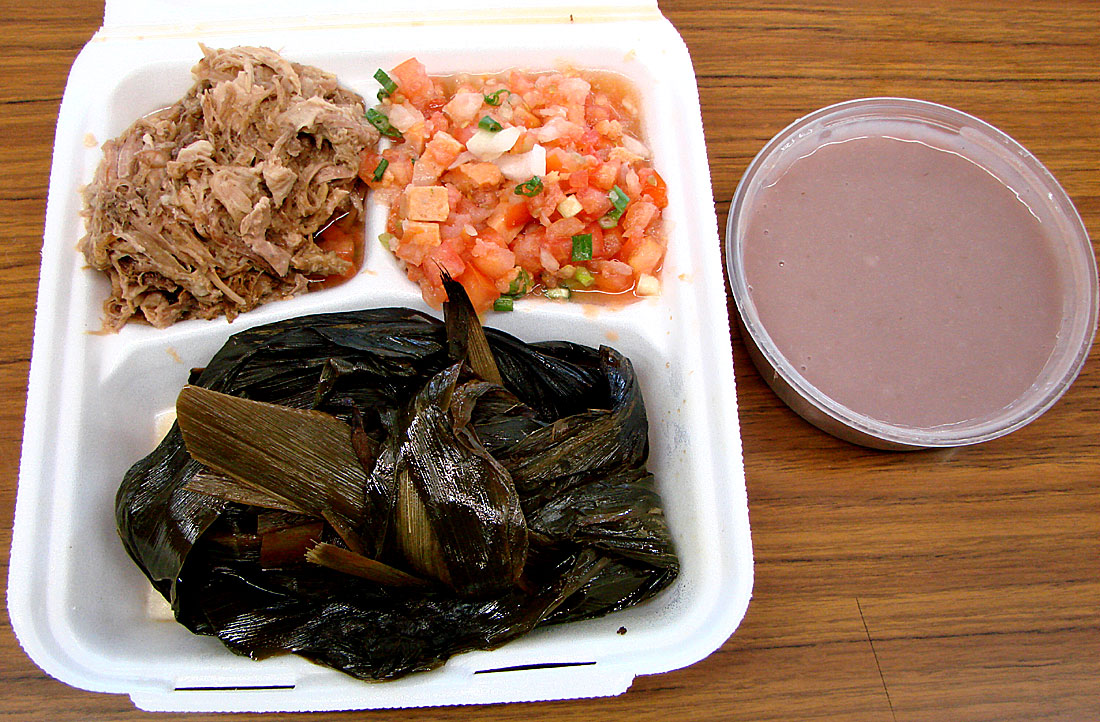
[479, 288]
[653, 187]
[515, 214]
[412, 80]
[528, 248]
[578, 179]
[590, 141]
[431, 287]
[606, 175]
[520, 82]
[368, 161]
[418, 239]
[464, 133]
[509, 217]
[605, 244]
[448, 256]
[438, 122]
[454, 230]
[594, 113]
[545, 204]
[628, 181]
[415, 139]
[560, 247]
[555, 160]
[612, 276]
[565, 228]
[594, 201]
[400, 167]
[436, 102]
[443, 149]
[490, 236]
[527, 119]
[644, 254]
[491, 259]
[637, 218]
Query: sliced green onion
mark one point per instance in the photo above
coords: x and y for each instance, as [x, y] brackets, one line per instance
[494, 99]
[503, 304]
[583, 276]
[388, 86]
[582, 247]
[379, 120]
[380, 169]
[521, 284]
[619, 199]
[487, 123]
[561, 293]
[386, 239]
[530, 188]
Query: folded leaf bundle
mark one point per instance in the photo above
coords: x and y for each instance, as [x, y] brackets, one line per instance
[379, 490]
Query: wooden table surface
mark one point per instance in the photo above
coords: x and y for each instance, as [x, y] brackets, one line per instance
[945, 585]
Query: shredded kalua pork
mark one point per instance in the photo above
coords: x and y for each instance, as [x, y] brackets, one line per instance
[210, 207]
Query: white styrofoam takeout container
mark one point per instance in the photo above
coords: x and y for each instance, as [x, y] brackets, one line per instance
[82, 609]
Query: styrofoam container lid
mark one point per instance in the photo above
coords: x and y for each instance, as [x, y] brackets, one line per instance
[84, 611]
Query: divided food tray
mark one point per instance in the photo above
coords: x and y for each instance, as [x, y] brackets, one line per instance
[82, 609]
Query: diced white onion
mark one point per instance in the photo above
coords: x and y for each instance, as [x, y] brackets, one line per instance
[647, 285]
[488, 146]
[569, 207]
[404, 116]
[463, 157]
[521, 167]
[635, 146]
[548, 261]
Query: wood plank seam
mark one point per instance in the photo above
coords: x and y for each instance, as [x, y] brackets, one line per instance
[878, 666]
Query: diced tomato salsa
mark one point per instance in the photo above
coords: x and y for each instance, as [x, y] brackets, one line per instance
[519, 182]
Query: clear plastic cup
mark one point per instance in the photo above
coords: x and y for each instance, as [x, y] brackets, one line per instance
[995, 153]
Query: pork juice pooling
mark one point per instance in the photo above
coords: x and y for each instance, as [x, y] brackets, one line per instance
[902, 279]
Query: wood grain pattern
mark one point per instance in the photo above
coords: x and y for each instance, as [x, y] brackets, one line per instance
[945, 585]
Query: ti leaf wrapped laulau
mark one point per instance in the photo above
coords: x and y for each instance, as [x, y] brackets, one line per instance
[378, 490]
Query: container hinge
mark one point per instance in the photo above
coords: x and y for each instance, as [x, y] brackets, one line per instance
[167, 18]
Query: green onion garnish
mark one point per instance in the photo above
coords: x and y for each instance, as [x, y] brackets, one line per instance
[619, 201]
[380, 169]
[530, 188]
[560, 293]
[494, 99]
[583, 276]
[379, 120]
[388, 86]
[582, 247]
[386, 239]
[521, 284]
[504, 304]
[489, 124]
